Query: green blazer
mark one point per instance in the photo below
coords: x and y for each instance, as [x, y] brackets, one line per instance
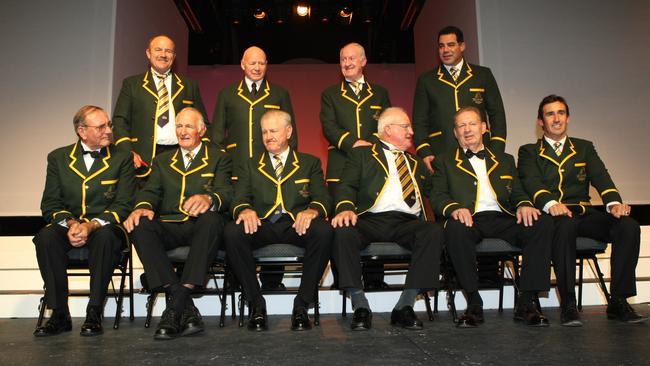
[236, 122]
[366, 174]
[105, 192]
[455, 184]
[437, 98]
[346, 118]
[565, 178]
[302, 186]
[170, 184]
[134, 116]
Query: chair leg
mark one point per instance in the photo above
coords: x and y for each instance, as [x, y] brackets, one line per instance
[317, 310]
[451, 304]
[502, 265]
[223, 297]
[241, 311]
[41, 311]
[601, 278]
[120, 298]
[344, 295]
[427, 304]
[580, 281]
[131, 297]
[151, 300]
[435, 301]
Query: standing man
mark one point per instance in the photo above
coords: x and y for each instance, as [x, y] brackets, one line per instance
[180, 205]
[145, 109]
[380, 198]
[477, 191]
[280, 198]
[349, 112]
[88, 191]
[441, 92]
[236, 126]
[557, 171]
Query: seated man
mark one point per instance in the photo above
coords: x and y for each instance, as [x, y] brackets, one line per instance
[380, 198]
[180, 205]
[88, 191]
[281, 197]
[557, 171]
[478, 192]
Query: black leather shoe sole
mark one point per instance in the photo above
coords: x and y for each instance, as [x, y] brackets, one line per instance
[91, 332]
[636, 320]
[44, 332]
[300, 327]
[466, 322]
[164, 336]
[571, 323]
[192, 328]
[257, 327]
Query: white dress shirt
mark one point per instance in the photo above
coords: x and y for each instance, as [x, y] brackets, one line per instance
[487, 200]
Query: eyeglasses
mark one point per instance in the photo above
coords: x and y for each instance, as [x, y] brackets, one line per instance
[403, 125]
[101, 128]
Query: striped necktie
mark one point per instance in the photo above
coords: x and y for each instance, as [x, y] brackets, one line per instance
[356, 87]
[190, 156]
[557, 146]
[408, 190]
[278, 166]
[162, 110]
[454, 73]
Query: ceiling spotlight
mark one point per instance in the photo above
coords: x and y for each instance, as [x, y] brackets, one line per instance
[345, 14]
[259, 14]
[303, 10]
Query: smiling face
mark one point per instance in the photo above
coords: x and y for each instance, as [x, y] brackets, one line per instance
[555, 120]
[450, 50]
[353, 59]
[189, 128]
[254, 63]
[96, 131]
[469, 130]
[161, 54]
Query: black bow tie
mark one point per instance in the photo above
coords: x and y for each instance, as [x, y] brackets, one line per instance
[479, 154]
[96, 154]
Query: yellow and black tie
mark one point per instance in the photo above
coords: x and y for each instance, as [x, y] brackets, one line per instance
[408, 190]
[557, 146]
[162, 110]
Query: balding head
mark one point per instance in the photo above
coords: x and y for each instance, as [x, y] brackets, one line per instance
[253, 62]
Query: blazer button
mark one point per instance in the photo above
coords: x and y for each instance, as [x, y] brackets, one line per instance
[376, 193]
[475, 183]
[86, 187]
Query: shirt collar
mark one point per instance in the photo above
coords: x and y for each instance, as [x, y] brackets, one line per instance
[361, 80]
[551, 141]
[458, 66]
[155, 73]
[283, 155]
[195, 151]
[86, 148]
[250, 82]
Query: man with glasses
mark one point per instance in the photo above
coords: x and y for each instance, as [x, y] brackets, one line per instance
[145, 109]
[381, 198]
[88, 192]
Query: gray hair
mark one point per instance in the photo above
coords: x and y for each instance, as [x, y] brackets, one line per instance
[192, 109]
[387, 117]
[276, 113]
[79, 119]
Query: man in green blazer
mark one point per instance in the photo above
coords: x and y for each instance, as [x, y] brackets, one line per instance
[381, 198]
[280, 198]
[557, 171]
[145, 109]
[440, 92]
[236, 126]
[477, 193]
[180, 205]
[349, 111]
[88, 192]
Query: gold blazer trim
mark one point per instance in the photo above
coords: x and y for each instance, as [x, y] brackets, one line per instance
[111, 181]
[271, 106]
[299, 181]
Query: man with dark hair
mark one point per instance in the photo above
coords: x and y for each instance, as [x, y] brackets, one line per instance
[557, 171]
[280, 198]
[444, 90]
[477, 191]
[381, 198]
[145, 109]
[88, 191]
[180, 205]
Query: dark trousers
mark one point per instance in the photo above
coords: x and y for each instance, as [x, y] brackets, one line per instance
[535, 242]
[153, 238]
[422, 238]
[104, 252]
[317, 243]
[623, 233]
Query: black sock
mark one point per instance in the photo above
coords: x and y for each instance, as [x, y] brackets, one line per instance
[180, 294]
[474, 298]
[299, 302]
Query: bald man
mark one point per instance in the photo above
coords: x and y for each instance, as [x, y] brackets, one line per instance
[144, 116]
[236, 124]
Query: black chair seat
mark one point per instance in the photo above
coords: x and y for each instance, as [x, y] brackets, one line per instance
[493, 246]
[279, 253]
[584, 244]
[385, 250]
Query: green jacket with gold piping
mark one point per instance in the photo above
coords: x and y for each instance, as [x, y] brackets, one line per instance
[106, 192]
[346, 119]
[565, 178]
[366, 175]
[302, 186]
[236, 121]
[437, 98]
[455, 184]
[134, 116]
[170, 184]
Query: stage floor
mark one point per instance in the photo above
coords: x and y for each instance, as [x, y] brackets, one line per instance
[500, 341]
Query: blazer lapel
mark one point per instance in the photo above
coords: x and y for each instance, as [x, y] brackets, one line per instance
[491, 162]
[465, 74]
[290, 167]
[266, 167]
[463, 163]
[149, 85]
[177, 86]
[380, 157]
[77, 163]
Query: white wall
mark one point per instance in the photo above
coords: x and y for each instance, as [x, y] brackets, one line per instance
[595, 54]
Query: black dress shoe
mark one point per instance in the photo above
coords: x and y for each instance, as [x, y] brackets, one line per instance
[528, 313]
[274, 286]
[258, 320]
[362, 319]
[619, 309]
[57, 323]
[300, 319]
[405, 318]
[569, 316]
[92, 326]
[191, 321]
[472, 317]
[169, 326]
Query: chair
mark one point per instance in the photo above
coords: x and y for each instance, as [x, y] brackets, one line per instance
[282, 255]
[178, 256]
[488, 250]
[395, 261]
[78, 260]
[587, 249]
